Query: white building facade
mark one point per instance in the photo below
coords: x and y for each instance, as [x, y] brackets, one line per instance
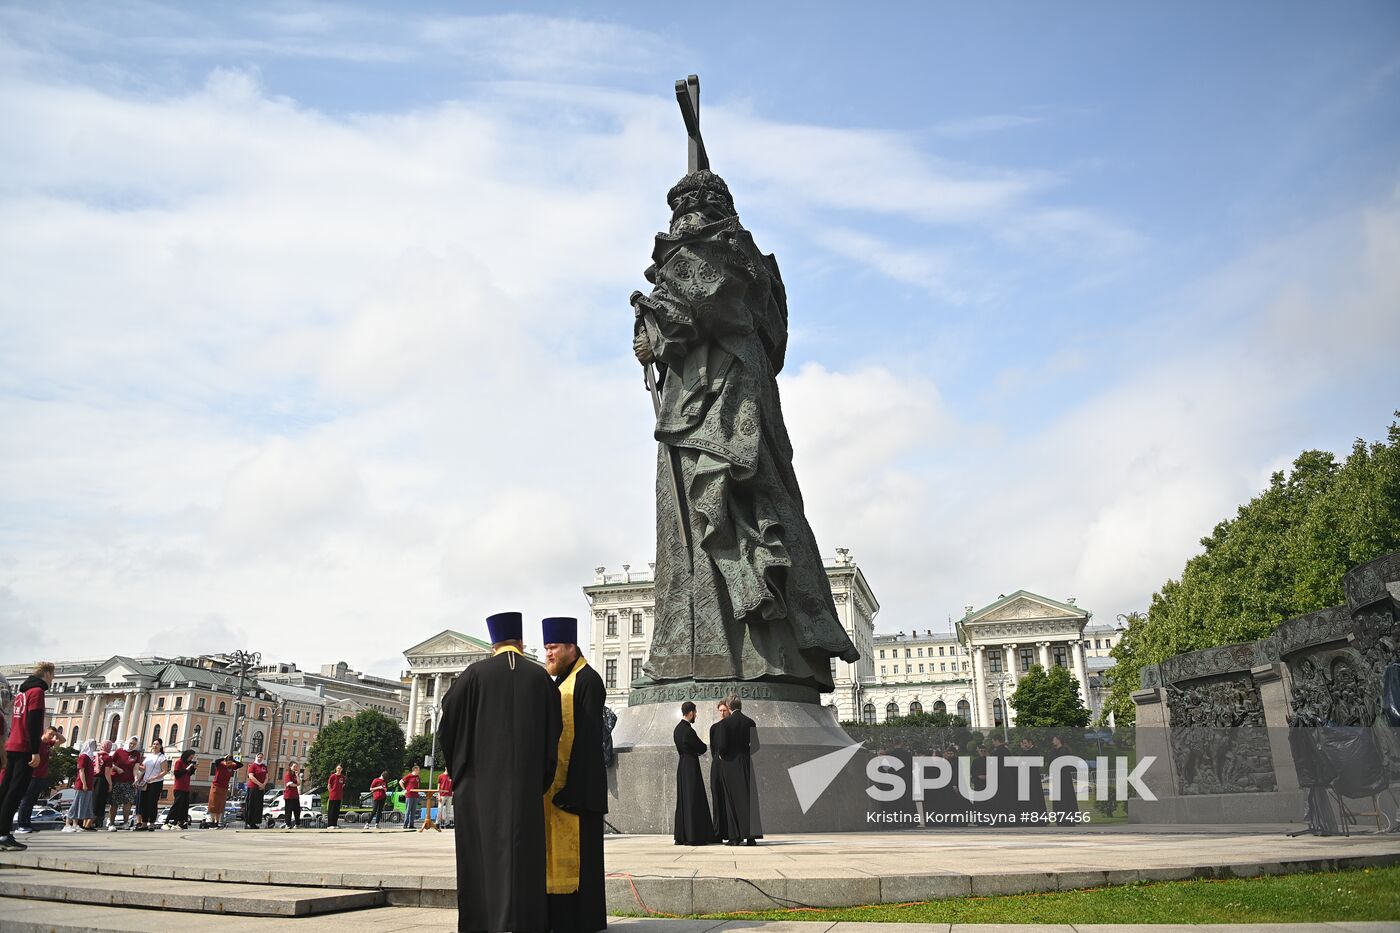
[967, 672]
[433, 667]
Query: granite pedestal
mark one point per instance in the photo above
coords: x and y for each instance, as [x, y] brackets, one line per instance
[791, 731]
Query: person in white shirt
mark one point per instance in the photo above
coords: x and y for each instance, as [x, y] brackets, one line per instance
[154, 767]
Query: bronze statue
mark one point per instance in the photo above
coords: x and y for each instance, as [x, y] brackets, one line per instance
[741, 593]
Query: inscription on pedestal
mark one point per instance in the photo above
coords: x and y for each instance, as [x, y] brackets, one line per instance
[716, 690]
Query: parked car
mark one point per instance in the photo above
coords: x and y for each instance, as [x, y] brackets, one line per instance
[46, 817]
[311, 814]
[63, 799]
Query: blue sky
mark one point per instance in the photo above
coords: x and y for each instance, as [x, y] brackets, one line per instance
[317, 313]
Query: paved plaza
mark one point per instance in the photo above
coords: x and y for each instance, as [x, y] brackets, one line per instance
[392, 879]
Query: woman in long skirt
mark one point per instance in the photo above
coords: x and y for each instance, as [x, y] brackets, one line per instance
[80, 811]
[102, 786]
[179, 815]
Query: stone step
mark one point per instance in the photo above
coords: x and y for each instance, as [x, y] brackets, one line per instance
[200, 897]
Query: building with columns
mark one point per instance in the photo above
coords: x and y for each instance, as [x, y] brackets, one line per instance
[1009, 636]
[186, 703]
[433, 667]
[966, 672]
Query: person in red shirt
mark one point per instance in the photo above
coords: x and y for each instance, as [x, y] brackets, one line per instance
[122, 775]
[291, 797]
[379, 790]
[224, 770]
[22, 749]
[39, 783]
[335, 792]
[444, 798]
[257, 789]
[84, 782]
[179, 815]
[410, 784]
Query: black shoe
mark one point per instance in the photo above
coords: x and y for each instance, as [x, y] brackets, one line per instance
[9, 844]
[732, 842]
[751, 842]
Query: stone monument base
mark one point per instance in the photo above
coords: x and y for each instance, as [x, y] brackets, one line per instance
[642, 782]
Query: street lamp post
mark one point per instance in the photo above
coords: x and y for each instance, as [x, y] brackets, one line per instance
[1005, 712]
[243, 661]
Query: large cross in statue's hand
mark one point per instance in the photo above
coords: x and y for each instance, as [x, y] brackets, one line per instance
[688, 96]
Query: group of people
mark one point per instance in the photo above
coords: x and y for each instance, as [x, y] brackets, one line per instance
[525, 746]
[130, 780]
[733, 740]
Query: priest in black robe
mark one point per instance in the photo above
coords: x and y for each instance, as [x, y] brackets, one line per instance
[734, 744]
[693, 826]
[499, 735]
[721, 803]
[577, 800]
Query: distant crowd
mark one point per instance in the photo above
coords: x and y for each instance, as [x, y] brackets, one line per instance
[122, 787]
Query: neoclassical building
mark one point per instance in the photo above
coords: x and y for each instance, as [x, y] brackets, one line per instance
[968, 671]
[433, 666]
[187, 703]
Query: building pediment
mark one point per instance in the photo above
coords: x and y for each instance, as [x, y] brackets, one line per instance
[1022, 606]
[117, 670]
[448, 642]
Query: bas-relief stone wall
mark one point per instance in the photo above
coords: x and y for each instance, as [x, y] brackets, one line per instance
[1333, 661]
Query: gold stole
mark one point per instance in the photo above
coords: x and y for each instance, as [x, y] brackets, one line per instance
[561, 838]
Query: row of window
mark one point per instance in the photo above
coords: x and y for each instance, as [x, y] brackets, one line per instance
[1026, 657]
[942, 668]
[610, 672]
[919, 652]
[638, 624]
[311, 718]
[964, 709]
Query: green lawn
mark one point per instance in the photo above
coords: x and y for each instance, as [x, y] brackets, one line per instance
[1361, 894]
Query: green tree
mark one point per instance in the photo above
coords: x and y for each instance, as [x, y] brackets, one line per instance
[1283, 554]
[1048, 699]
[417, 751]
[365, 744]
[63, 764]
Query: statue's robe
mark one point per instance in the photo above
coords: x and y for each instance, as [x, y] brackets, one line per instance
[750, 600]
[693, 826]
[499, 736]
[574, 807]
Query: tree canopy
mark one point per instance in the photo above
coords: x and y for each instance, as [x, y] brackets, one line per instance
[365, 744]
[1283, 554]
[1048, 699]
[416, 751]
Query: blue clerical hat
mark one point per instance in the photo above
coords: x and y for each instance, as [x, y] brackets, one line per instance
[505, 626]
[560, 630]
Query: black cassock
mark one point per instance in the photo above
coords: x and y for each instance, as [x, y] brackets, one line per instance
[732, 743]
[499, 734]
[585, 792]
[693, 824]
[721, 810]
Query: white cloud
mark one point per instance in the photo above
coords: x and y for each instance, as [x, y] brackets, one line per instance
[322, 385]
